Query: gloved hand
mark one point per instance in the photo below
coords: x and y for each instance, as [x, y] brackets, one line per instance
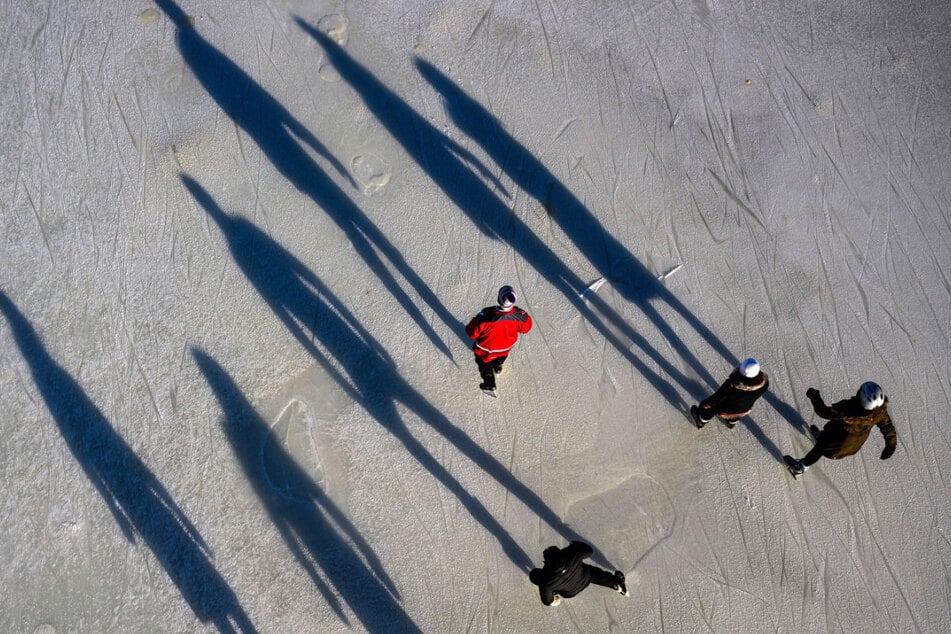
[812, 394]
[887, 452]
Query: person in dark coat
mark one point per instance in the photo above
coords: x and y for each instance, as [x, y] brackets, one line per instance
[850, 422]
[495, 330]
[564, 574]
[735, 398]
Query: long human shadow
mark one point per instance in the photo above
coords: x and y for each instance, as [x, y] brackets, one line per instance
[633, 281]
[283, 139]
[322, 539]
[434, 152]
[360, 365]
[138, 501]
[630, 278]
[449, 167]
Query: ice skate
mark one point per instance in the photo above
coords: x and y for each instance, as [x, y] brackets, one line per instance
[621, 587]
[795, 466]
[491, 391]
[730, 424]
[695, 414]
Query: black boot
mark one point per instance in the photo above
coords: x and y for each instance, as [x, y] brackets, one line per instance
[695, 414]
[621, 587]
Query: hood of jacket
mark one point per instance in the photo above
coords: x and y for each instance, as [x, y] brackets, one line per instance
[745, 384]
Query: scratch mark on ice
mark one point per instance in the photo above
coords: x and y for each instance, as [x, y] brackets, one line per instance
[128, 130]
[39, 222]
[736, 199]
[551, 59]
[478, 26]
[564, 127]
[664, 276]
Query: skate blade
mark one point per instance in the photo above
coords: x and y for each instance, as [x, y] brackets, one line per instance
[790, 461]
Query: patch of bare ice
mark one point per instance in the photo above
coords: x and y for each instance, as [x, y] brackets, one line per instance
[371, 172]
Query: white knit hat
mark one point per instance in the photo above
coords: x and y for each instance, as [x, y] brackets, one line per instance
[749, 368]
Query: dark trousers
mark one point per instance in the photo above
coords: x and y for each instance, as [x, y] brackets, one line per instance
[827, 444]
[706, 415]
[601, 577]
[488, 370]
[813, 456]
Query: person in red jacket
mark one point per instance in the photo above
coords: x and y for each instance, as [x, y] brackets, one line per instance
[495, 330]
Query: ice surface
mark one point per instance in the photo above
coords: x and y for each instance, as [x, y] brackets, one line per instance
[240, 242]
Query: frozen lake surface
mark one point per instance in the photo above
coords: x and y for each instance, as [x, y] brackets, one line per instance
[241, 241]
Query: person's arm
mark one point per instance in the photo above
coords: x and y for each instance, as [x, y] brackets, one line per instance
[580, 550]
[472, 328]
[891, 436]
[822, 410]
[526, 325]
[717, 396]
[545, 593]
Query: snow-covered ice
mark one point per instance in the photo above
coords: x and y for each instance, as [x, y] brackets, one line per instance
[240, 243]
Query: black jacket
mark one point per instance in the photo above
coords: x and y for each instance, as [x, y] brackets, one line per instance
[563, 573]
[736, 396]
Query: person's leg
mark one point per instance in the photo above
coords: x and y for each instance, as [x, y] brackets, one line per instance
[601, 577]
[828, 443]
[704, 414]
[813, 456]
[487, 374]
[699, 414]
[730, 421]
[497, 364]
[798, 467]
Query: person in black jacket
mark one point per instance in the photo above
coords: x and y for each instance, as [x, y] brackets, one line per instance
[564, 574]
[735, 398]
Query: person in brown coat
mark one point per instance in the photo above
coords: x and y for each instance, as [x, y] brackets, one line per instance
[734, 399]
[850, 422]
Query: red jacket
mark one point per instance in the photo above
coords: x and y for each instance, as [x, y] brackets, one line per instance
[495, 331]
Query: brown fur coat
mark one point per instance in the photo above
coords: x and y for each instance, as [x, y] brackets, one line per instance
[849, 426]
